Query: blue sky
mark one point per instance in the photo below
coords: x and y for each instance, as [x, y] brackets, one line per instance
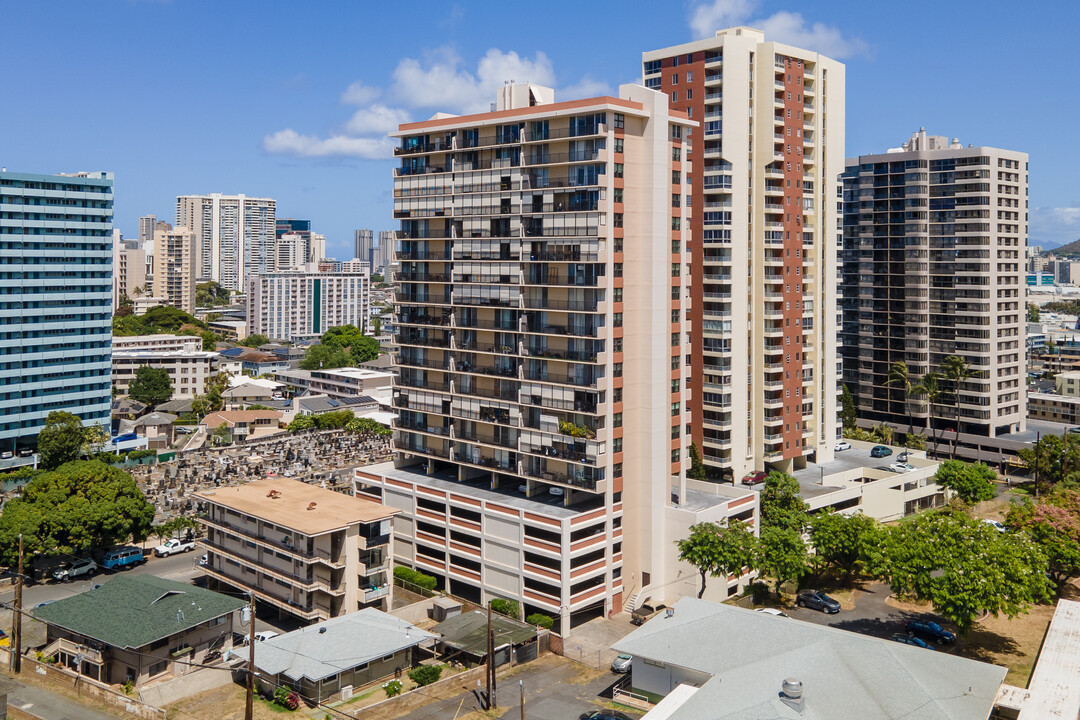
[292, 100]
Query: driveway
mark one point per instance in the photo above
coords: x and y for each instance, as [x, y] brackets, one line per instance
[871, 615]
[590, 644]
[555, 689]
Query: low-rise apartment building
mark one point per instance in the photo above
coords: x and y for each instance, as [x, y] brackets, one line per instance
[302, 304]
[188, 367]
[160, 342]
[340, 382]
[305, 550]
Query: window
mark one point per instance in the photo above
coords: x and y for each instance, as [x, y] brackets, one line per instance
[620, 120]
[617, 295]
[618, 269]
[618, 145]
[158, 668]
[616, 470]
[675, 455]
[616, 395]
[675, 432]
[616, 445]
[676, 223]
[616, 420]
[653, 66]
[689, 77]
[675, 387]
[674, 339]
[618, 244]
[676, 154]
[674, 96]
[689, 94]
[616, 370]
[676, 292]
[618, 195]
[675, 361]
[616, 345]
[675, 78]
[676, 177]
[675, 408]
[618, 220]
[675, 61]
[653, 83]
[676, 247]
[676, 269]
[616, 319]
[619, 170]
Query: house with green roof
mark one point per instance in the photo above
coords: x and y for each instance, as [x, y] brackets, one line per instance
[139, 628]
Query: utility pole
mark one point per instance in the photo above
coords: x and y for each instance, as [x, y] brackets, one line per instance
[490, 653]
[249, 708]
[16, 620]
[521, 684]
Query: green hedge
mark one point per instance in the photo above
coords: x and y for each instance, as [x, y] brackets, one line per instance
[415, 577]
[425, 674]
[541, 620]
[509, 608]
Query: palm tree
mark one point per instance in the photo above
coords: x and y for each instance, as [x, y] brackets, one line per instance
[929, 388]
[898, 377]
[956, 370]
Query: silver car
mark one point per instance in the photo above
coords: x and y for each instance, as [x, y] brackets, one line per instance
[621, 664]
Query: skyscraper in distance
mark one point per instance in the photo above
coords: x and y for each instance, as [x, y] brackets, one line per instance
[363, 243]
[767, 156]
[57, 286]
[234, 235]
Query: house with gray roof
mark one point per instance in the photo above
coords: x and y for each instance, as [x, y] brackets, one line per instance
[139, 628]
[706, 660]
[351, 650]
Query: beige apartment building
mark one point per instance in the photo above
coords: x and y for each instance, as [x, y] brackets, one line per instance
[175, 267]
[302, 304]
[767, 149]
[305, 550]
[934, 236]
[541, 324]
[188, 365]
[129, 269]
[234, 235]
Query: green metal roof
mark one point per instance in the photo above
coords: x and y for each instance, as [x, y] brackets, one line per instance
[468, 631]
[130, 611]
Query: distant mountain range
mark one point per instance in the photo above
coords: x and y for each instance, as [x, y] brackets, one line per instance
[1072, 248]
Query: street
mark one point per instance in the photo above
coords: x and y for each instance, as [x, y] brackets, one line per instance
[182, 568]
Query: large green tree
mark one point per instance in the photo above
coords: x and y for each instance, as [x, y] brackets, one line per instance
[60, 441]
[956, 370]
[254, 341]
[972, 482]
[78, 506]
[151, 385]
[718, 551]
[1054, 460]
[964, 567]
[321, 356]
[209, 340]
[783, 555]
[697, 467]
[781, 505]
[360, 347]
[846, 544]
[1053, 523]
[848, 415]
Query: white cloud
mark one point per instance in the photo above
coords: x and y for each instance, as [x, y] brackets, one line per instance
[442, 82]
[783, 26]
[710, 17]
[587, 87]
[290, 142]
[1054, 225]
[359, 94]
[376, 120]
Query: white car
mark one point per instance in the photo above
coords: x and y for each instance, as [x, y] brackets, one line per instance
[265, 635]
[842, 445]
[994, 524]
[901, 467]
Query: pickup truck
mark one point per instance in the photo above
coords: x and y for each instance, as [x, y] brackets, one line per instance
[643, 613]
[173, 546]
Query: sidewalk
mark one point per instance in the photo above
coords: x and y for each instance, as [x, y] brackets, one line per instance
[48, 705]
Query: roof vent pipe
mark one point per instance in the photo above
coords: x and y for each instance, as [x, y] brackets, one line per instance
[791, 694]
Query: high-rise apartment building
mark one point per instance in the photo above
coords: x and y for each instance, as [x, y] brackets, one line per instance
[540, 319]
[234, 235]
[129, 268]
[302, 304]
[301, 245]
[363, 244]
[767, 155]
[383, 255]
[56, 231]
[147, 226]
[175, 267]
[934, 238]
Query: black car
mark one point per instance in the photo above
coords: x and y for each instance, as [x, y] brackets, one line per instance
[817, 601]
[912, 640]
[880, 451]
[930, 629]
[604, 715]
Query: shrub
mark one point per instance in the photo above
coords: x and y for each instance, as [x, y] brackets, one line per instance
[425, 674]
[505, 607]
[415, 577]
[392, 688]
[128, 687]
[286, 698]
[541, 620]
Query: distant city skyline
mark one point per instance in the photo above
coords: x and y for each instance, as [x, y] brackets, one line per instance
[303, 127]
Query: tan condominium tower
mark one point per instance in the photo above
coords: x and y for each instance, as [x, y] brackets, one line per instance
[767, 153]
[540, 320]
[235, 236]
[934, 236]
[174, 267]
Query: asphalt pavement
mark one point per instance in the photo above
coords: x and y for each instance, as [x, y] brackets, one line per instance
[48, 705]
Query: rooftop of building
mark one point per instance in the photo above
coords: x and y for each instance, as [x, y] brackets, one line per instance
[163, 354]
[155, 338]
[1054, 688]
[307, 509]
[232, 417]
[814, 479]
[325, 403]
[468, 631]
[511, 495]
[130, 611]
[358, 373]
[843, 674]
[327, 648]
[155, 418]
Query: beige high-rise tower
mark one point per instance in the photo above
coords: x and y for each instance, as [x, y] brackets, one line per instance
[542, 342]
[763, 321]
[174, 267]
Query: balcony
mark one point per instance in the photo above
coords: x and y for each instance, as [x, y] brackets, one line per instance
[316, 555]
[365, 542]
[307, 612]
[308, 584]
[374, 594]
